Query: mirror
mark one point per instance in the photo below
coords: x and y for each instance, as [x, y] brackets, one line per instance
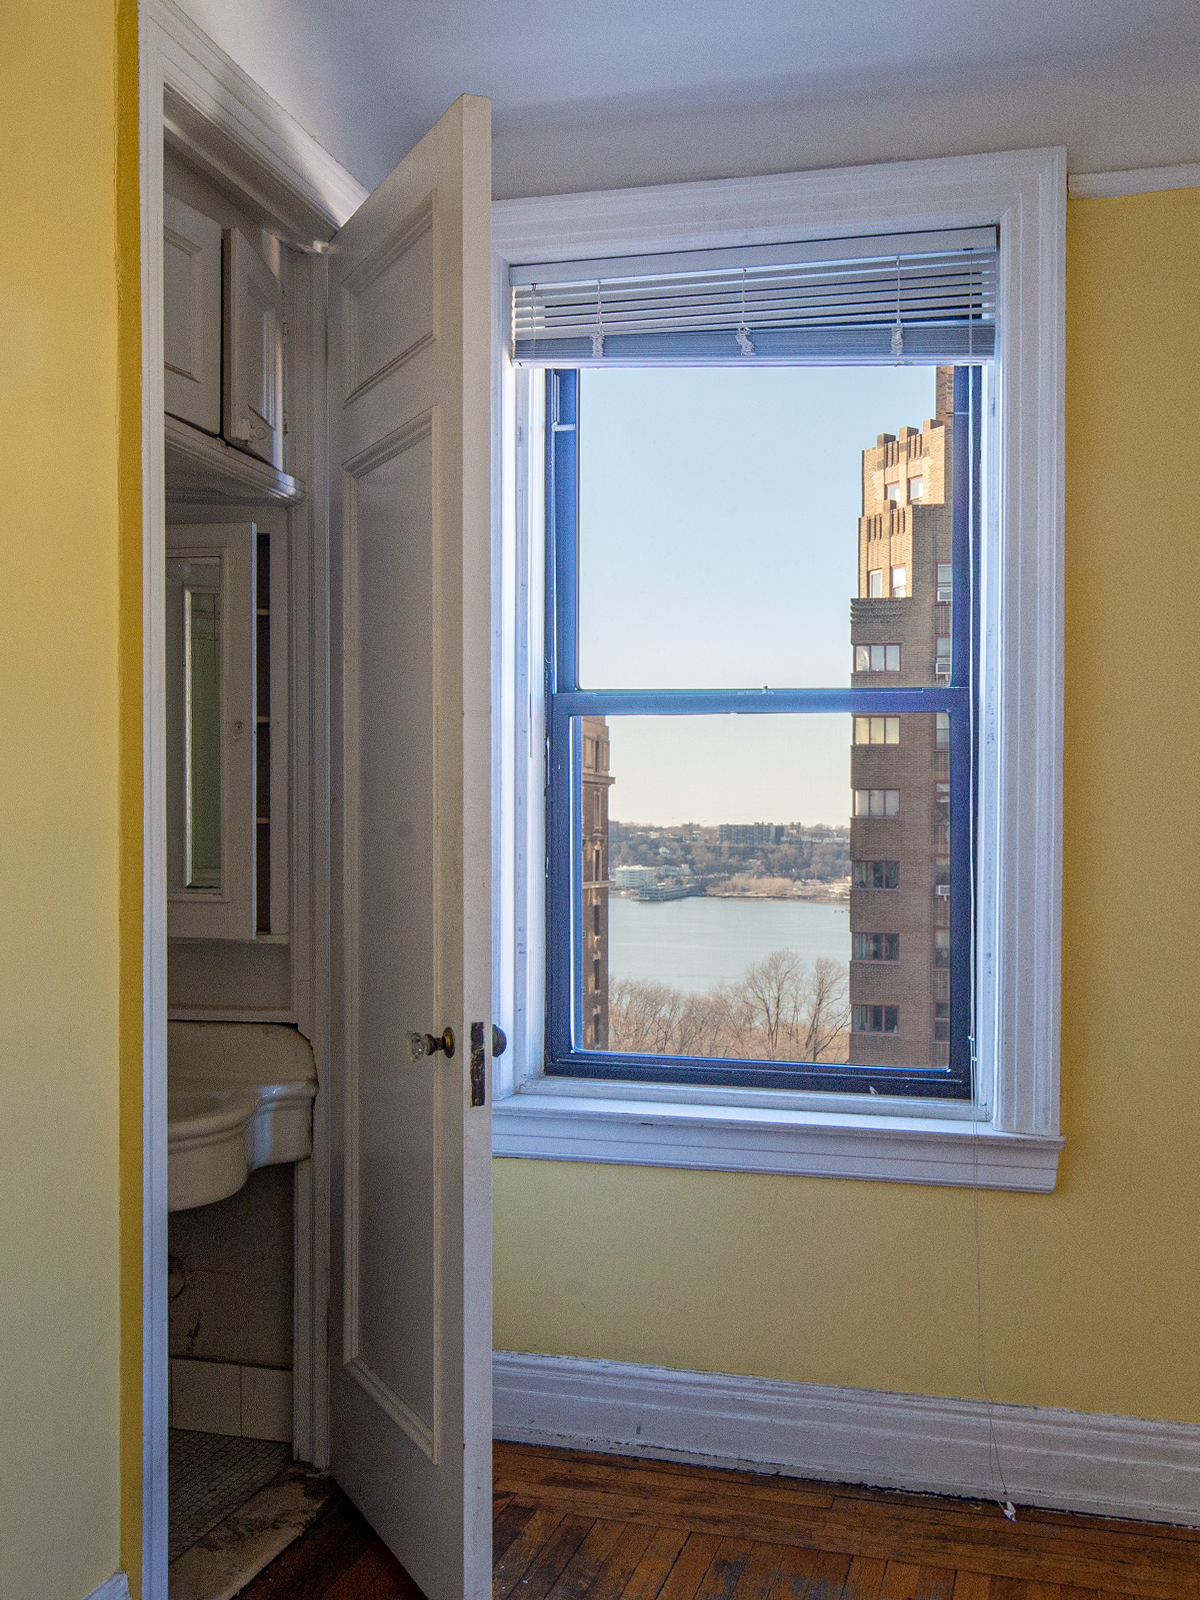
[194, 722]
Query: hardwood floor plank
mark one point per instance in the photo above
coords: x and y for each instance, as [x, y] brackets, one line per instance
[544, 1571]
[581, 1571]
[1044, 1591]
[651, 1571]
[934, 1583]
[508, 1571]
[687, 1574]
[865, 1579]
[725, 1571]
[899, 1581]
[972, 1586]
[619, 1565]
[506, 1526]
[792, 1567]
[376, 1575]
[827, 1580]
[767, 1564]
[1009, 1589]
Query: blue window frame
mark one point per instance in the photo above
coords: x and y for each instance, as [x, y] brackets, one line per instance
[570, 1035]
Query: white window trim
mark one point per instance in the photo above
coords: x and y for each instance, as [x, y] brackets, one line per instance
[1010, 1139]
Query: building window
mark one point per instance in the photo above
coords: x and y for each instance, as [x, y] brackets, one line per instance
[876, 802]
[945, 582]
[876, 874]
[877, 658]
[942, 737]
[941, 947]
[941, 1021]
[942, 656]
[877, 1019]
[891, 491]
[875, 584]
[941, 802]
[876, 947]
[899, 583]
[916, 488]
[596, 918]
[877, 730]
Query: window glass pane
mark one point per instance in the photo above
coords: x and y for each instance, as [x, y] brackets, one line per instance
[728, 521]
[743, 884]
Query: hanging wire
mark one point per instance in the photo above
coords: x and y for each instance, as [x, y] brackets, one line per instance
[898, 330]
[742, 335]
[598, 336]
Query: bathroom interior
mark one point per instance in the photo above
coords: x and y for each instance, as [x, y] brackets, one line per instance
[242, 1079]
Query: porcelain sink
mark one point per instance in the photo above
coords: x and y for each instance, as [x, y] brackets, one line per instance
[239, 1096]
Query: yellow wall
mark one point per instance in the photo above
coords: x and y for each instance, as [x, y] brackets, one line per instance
[1091, 1296]
[71, 913]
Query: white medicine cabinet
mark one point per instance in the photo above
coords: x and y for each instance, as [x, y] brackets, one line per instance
[234, 489]
[227, 784]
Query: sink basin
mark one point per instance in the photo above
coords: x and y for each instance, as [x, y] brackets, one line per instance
[239, 1096]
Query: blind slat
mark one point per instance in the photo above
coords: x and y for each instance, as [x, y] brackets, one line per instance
[848, 300]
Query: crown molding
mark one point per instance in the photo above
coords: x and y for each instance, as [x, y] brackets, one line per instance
[1139, 180]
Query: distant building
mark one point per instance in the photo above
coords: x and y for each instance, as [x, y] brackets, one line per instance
[900, 766]
[753, 834]
[633, 877]
[597, 780]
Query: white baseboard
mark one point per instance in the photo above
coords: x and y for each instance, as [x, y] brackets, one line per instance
[1075, 1461]
[114, 1588]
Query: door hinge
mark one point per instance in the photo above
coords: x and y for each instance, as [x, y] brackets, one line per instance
[478, 1063]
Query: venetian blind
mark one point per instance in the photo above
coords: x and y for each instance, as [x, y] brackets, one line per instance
[905, 297]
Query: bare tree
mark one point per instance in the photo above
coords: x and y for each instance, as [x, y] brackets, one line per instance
[826, 1008]
[782, 1010]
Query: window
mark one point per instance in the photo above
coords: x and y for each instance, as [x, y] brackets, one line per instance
[899, 583]
[876, 947]
[941, 947]
[916, 488]
[941, 1023]
[942, 661]
[875, 584]
[1016, 991]
[876, 802]
[877, 1019]
[877, 658]
[877, 730]
[945, 582]
[891, 491]
[876, 874]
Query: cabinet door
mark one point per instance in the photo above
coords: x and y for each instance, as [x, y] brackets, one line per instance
[210, 632]
[410, 1151]
[192, 315]
[253, 392]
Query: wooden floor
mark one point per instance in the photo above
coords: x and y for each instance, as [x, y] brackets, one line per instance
[569, 1526]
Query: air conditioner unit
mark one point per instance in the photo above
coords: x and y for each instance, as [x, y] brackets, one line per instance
[942, 888]
[942, 668]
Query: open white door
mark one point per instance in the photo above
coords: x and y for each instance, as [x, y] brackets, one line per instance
[411, 1307]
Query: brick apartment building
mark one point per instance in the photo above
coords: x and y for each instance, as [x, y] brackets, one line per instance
[593, 833]
[900, 766]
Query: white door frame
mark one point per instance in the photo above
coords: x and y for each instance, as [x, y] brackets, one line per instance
[192, 93]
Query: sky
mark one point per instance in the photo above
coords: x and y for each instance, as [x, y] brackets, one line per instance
[718, 535]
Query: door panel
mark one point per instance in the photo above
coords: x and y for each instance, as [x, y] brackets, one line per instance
[410, 1380]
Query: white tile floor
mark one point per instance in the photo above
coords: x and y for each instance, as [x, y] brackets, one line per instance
[212, 1474]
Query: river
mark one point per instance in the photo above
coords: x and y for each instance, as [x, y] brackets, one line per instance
[696, 943]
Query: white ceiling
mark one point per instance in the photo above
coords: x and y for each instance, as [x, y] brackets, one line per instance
[587, 93]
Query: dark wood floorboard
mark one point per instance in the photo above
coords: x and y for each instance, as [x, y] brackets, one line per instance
[575, 1526]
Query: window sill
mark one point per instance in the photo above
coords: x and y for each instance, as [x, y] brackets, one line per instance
[621, 1124]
